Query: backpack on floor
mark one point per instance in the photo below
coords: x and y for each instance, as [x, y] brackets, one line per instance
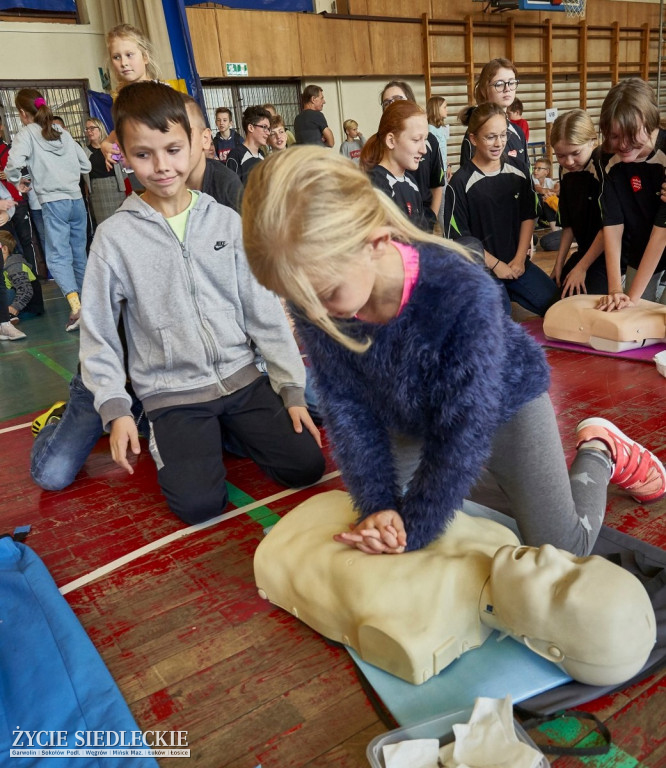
[52, 679]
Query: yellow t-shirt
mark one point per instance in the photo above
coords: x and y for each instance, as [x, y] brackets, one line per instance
[179, 221]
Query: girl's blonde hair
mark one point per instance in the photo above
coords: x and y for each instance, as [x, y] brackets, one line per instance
[98, 124]
[432, 110]
[630, 105]
[128, 32]
[31, 101]
[307, 214]
[574, 127]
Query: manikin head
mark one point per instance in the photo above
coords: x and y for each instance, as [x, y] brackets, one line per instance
[589, 616]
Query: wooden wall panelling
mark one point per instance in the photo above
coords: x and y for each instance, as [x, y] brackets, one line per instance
[490, 42]
[528, 49]
[645, 51]
[614, 58]
[337, 47]
[266, 41]
[449, 48]
[358, 7]
[583, 51]
[548, 74]
[566, 48]
[396, 48]
[629, 50]
[653, 55]
[413, 9]
[598, 49]
[510, 51]
[205, 42]
[427, 55]
[469, 58]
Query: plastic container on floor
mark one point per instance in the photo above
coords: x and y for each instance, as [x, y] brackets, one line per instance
[435, 728]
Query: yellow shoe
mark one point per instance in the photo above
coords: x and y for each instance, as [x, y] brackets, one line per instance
[53, 413]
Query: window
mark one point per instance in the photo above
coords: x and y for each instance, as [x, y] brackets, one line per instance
[67, 99]
[285, 95]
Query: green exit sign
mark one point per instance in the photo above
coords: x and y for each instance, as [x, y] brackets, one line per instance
[236, 69]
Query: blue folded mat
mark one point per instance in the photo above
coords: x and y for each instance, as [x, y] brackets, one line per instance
[493, 670]
[51, 676]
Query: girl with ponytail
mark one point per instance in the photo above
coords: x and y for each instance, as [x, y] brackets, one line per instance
[55, 162]
[393, 154]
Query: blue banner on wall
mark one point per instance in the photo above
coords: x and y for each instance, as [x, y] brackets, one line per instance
[61, 6]
[263, 5]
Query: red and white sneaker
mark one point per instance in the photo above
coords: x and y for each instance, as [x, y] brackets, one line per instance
[635, 469]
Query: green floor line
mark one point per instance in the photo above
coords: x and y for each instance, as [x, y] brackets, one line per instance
[49, 363]
[262, 515]
[568, 730]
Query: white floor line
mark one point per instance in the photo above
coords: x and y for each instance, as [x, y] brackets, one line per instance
[15, 427]
[130, 556]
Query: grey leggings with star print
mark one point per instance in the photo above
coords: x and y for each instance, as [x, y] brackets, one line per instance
[527, 478]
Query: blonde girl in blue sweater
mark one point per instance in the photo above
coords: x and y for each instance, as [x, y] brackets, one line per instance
[410, 348]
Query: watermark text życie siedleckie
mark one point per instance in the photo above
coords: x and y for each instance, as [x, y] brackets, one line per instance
[43, 743]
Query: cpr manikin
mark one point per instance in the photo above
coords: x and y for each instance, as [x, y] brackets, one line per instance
[577, 319]
[413, 614]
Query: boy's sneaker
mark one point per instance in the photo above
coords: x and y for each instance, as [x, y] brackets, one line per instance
[73, 322]
[54, 413]
[635, 469]
[9, 333]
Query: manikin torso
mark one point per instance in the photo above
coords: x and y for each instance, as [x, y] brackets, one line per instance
[343, 593]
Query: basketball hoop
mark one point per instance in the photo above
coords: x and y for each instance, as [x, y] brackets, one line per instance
[575, 9]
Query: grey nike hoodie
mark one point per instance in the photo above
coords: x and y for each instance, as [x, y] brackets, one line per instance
[193, 313]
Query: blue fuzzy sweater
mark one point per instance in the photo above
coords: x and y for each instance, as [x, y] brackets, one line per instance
[450, 369]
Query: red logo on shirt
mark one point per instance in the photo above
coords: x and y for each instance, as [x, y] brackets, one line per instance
[513, 153]
[636, 183]
[409, 209]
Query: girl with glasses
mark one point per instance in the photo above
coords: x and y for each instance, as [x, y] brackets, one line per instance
[574, 140]
[497, 84]
[396, 150]
[107, 187]
[493, 200]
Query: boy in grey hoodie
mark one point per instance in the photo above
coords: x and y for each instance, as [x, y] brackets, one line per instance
[172, 263]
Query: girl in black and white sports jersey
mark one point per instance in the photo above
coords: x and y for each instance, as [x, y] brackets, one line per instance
[493, 200]
[575, 143]
[395, 149]
[634, 218]
[430, 174]
[497, 84]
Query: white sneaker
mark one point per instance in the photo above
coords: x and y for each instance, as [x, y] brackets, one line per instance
[9, 333]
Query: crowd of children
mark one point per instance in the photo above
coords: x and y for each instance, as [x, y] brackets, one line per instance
[420, 373]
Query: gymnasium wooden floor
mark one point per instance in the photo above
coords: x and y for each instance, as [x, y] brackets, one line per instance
[182, 629]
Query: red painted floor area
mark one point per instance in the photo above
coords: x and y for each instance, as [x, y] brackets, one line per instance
[194, 648]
